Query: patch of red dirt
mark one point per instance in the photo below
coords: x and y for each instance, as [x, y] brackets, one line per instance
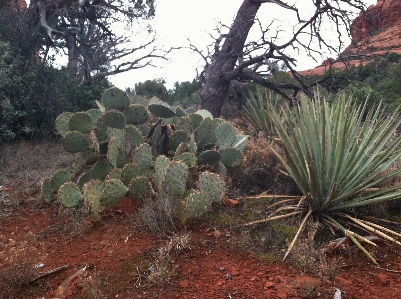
[109, 249]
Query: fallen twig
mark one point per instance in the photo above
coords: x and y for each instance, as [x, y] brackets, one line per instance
[44, 274]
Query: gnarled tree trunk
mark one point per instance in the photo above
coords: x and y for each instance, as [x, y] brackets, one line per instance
[217, 83]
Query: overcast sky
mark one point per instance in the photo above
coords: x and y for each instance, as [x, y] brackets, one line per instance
[177, 20]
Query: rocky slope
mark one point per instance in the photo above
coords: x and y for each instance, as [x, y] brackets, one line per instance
[375, 32]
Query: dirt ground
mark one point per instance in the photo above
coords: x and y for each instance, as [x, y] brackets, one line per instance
[50, 252]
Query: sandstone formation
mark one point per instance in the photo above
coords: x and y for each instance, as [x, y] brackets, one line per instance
[375, 32]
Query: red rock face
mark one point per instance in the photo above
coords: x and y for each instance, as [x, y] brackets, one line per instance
[375, 32]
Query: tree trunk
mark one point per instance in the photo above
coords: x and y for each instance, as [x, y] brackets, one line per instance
[217, 84]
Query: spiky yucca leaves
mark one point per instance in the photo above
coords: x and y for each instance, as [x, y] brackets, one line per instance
[257, 112]
[334, 152]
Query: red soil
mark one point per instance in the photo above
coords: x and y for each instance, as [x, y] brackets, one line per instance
[212, 268]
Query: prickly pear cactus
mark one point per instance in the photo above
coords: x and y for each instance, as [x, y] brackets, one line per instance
[139, 188]
[114, 119]
[92, 192]
[225, 135]
[113, 192]
[75, 142]
[211, 157]
[70, 195]
[101, 169]
[175, 178]
[160, 109]
[47, 190]
[115, 98]
[80, 122]
[231, 157]
[195, 205]
[136, 114]
[61, 123]
[59, 178]
[161, 165]
[212, 185]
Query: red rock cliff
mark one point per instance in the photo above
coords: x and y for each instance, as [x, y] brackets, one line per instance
[375, 32]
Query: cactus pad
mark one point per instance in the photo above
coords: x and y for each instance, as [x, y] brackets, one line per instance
[176, 138]
[115, 98]
[184, 124]
[114, 119]
[136, 114]
[59, 178]
[204, 113]
[225, 134]
[142, 157]
[94, 114]
[129, 172]
[175, 178]
[77, 166]
[210, 157]
[61, 123]
[116, 154]
[75, 142]
[231, 157]
[188, 158]
[113, 192]
[160, 109]
[114, 174]
[212, 185]
[101, 169]
[240, 142]
[70, 195]
[83, 179]
[139, 188]
[196, 119]
[190, 110]
[205, 133]
[80, 122]
[143, 128]
[196, 204]
[47, 190]
[161, 165]
[134, 136]
[92, 192]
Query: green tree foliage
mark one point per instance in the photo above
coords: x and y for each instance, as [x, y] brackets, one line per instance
[185, 93]
[151, 88]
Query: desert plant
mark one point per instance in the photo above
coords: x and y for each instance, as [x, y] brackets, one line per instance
[335, 153]
[257, 112]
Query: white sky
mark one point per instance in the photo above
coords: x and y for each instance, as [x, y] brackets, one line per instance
[176, 20]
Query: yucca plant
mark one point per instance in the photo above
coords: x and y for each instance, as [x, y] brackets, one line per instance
[256, 110]
[336, 152]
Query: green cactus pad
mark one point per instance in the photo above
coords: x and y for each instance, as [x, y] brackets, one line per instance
[94, 114]
[171, 120]
[115, 98]
[225, 134]
[184, 124]
[61, 123]
[80, 122]
[114, 119]
[231, 157]
[205, 133]
[100, 106]
[113, 192]
[180, 150]
[47, 190]
[161, 165]
[190, 110]
[142, 157]
[59, 178]
[204, 113]
[196, 204]
[75, 142]
[139, 188]
[134, 136]
[143, 129]
[192, 147]
[240, 142]
[160, 109]
[118, 133]
[92, 192]
[116, 154]
[196, 119]
[210, 157]
[156, 135]
[101, 131]
[176, 138]
[175, 178]
[212, 185]
[77, 166]
[129, 172]
[70, 195]
[188, 158]
[115, 173]
[91, 157]
[136, 114]
[83, 179]
[101, 169]
[221, 169]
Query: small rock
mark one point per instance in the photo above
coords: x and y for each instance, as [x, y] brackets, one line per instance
[183, 284]
[230, 202]
[269, 284]
[216, 234]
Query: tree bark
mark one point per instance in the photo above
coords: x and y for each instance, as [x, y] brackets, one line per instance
[217, 84]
